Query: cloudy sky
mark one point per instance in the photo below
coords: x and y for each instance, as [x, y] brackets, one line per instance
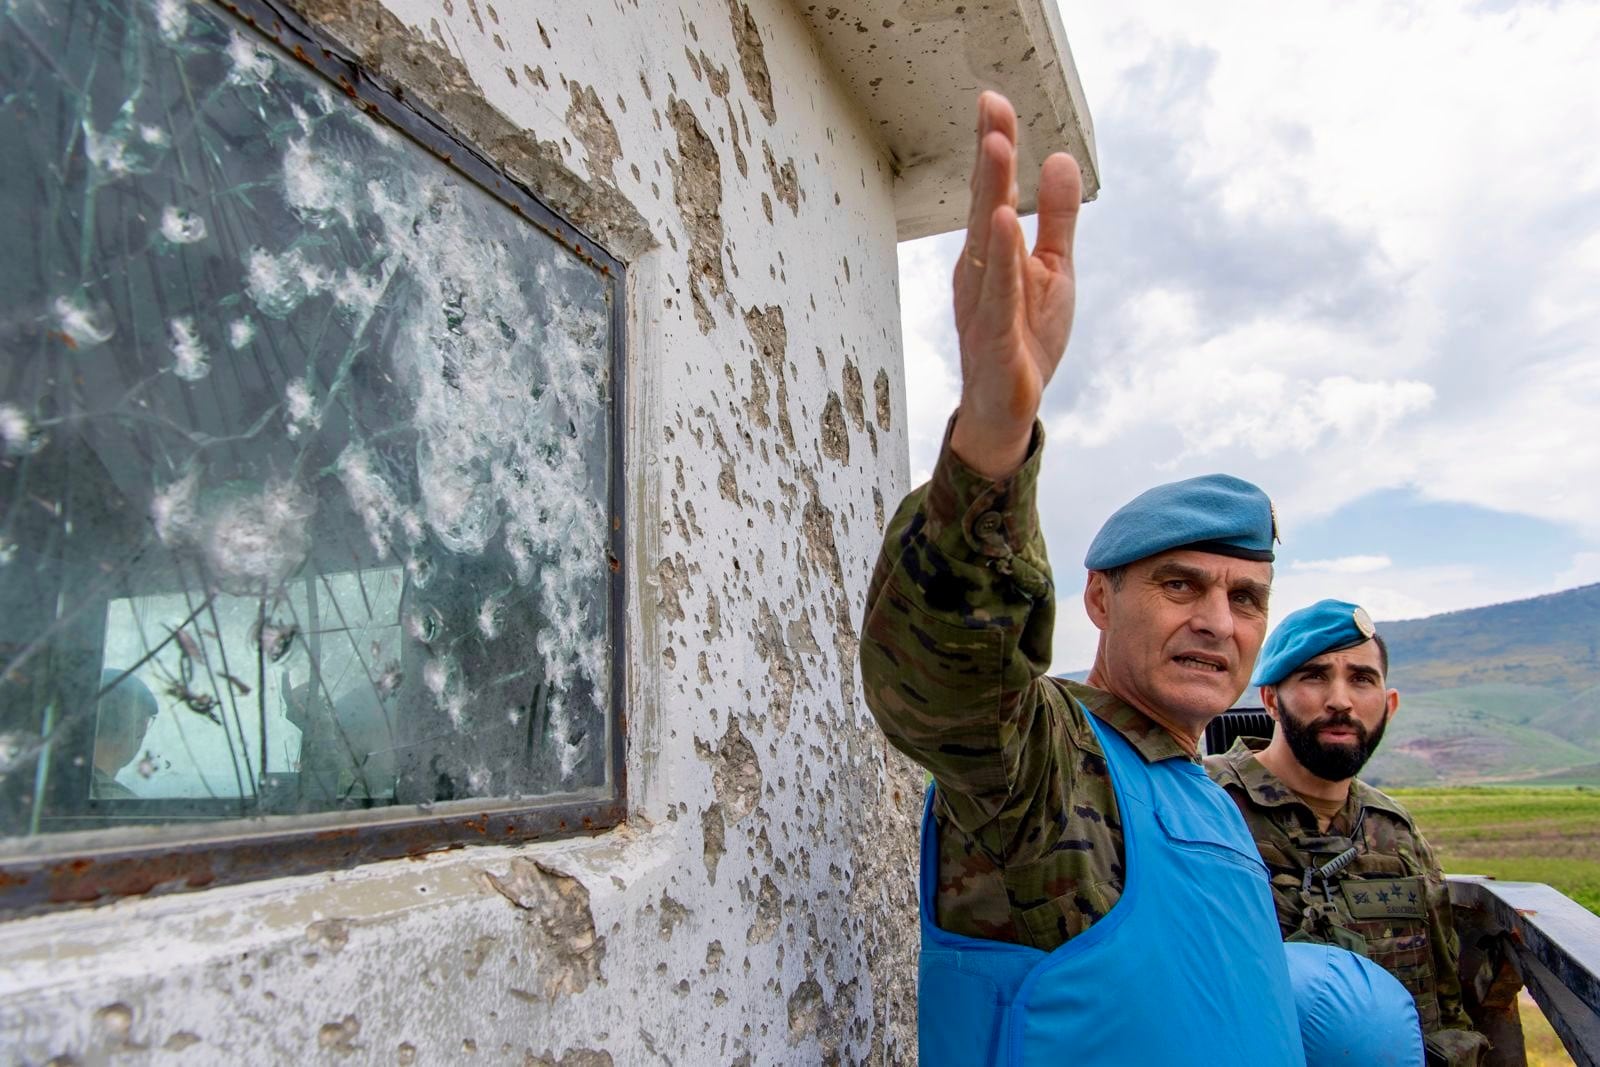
[1348, 251]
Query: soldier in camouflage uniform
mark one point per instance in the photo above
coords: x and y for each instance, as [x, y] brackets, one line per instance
[955, 644]
[1348, 865]
[961, 607]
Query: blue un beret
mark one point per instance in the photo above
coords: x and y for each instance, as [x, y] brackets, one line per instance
[1326, 626]
[1212, 513]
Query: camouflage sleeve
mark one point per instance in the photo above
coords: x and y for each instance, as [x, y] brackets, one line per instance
[1455, 1044]
[957, 636]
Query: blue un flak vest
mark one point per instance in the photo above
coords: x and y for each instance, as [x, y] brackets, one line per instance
[1186, 968]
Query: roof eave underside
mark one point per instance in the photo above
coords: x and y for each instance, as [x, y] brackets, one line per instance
[916, 67]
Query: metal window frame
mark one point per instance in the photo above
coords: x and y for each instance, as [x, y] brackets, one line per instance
[60, 876]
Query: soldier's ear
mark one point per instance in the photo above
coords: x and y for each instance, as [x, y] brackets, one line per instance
[1269, 700]
[1392, 699]
[1097, 599]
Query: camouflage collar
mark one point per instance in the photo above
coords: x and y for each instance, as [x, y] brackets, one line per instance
[1137, 728]
[1372, 797]
[1268, 790]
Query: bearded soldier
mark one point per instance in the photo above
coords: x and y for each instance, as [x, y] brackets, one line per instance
[1348, 864]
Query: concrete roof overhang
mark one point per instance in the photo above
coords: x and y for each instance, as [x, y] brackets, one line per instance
[917, 66]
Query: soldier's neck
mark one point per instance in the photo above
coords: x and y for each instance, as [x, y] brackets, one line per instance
[1324, 798]
[1187, 736]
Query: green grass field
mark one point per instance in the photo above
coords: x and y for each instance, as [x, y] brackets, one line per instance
[1519, 833]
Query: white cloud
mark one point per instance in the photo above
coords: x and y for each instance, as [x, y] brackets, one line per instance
[1474, 192]
[1584, 570]
[1529, 447]
[1343, 564]
[1450, 110]
[1395, 592]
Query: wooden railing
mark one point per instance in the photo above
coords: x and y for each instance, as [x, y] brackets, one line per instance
[1525, 934]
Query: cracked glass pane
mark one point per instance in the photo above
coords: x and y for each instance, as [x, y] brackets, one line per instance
[305, 446]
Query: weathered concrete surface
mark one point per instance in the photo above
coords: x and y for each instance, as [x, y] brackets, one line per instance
[759, 906]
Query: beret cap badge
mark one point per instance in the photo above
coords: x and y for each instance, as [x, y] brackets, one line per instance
[1363, 622]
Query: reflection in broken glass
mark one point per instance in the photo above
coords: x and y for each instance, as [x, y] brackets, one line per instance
[304, 446]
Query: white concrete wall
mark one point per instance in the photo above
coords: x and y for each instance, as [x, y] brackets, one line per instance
[759, 906]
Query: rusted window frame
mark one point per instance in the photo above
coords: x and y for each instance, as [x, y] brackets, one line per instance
[58, 876]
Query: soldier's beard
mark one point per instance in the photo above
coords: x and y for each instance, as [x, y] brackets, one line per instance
[1333, 762]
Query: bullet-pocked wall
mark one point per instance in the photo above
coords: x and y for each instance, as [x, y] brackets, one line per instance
[758, 904]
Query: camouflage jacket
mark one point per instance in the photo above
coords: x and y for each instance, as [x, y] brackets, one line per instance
[954, 647]
[1390, 903]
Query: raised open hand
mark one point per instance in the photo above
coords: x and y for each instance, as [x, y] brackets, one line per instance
[1013, 309]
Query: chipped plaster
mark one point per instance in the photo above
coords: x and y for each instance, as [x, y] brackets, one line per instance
[759, 904]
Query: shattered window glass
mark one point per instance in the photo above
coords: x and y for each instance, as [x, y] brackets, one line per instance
[306, 453]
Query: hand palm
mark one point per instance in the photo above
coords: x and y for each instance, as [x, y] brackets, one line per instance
[1029, 336]
[1013, 310]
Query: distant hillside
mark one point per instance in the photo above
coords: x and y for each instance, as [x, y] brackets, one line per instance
[1478, 734]
[1509, 692]
[1576, 720]
[1549, 641]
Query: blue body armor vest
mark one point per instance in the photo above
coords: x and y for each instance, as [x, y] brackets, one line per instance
[1186, 968]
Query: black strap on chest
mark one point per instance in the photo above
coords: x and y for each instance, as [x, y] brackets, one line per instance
[1330, 870]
